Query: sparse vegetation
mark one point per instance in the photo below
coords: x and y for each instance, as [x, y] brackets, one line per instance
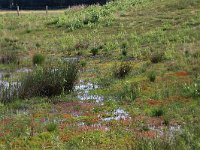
[137, 86]
[9, 57]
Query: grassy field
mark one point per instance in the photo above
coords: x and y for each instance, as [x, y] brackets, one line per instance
[125, 75]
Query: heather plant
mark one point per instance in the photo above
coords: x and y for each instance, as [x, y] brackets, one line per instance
[38, 59]
[51, 127]
[124, 48]
[152, 76]
[94, 51]
[122, 70]
[157, 112]
[157, 57]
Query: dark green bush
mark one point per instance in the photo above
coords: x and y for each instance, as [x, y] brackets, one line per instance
[38, 59]
[157, 112]
[49, 81]
[94, 51]
[122, 70]
[152, 76]
[124, 52]
[51, 127]
[124, 48]
[157, 57]
[83, 63]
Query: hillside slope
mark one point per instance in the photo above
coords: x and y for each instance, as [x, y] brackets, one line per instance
[139, 77]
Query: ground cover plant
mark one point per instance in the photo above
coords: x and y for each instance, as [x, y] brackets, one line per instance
[124, 75]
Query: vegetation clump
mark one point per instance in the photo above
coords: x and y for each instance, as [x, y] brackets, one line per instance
[38, 59]
[152, 76]
[51, 127]
[49, 81]
[124, 48]
[122, 70]
[156, 57]
[94, 51]
[157, 112]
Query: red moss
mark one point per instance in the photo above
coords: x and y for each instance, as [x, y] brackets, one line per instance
[155, 121]
[182, 74]
[154, 103]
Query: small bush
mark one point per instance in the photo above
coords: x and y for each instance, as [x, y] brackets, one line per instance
[157, 57]
[152, 76]
[124, 48]
[122, 70]
[124, 52]
[51, 127]
[49, 81]
[157, 112]
[83, 63]
[94, 51]
[38, 59]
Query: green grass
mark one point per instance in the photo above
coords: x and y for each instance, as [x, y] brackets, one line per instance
[143, 54]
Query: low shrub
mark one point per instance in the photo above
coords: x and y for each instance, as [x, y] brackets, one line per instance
[152, 76]
[157, 57]
[124, 48]
[49, 81]
[122, 70]
[38, 59]
[51, 127]
[124, 52]
[157, 112]
[94, 51]
[83, 63]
